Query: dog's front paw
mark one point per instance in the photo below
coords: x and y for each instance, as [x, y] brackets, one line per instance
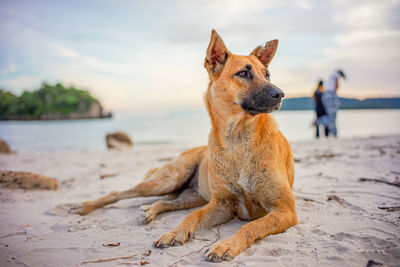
[145, 214]
[223, 251]
[81, 209]
[172, 238]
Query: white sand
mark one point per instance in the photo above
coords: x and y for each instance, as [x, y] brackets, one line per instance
[329, 233]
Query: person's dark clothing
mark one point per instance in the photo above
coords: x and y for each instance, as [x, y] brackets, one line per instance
[321, 113]
[319, 107]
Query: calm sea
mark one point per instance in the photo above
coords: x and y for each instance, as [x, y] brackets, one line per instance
[181, 129]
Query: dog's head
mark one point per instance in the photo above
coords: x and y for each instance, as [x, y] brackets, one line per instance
[242, 82]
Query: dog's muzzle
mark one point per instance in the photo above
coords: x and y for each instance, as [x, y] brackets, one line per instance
[264, 100]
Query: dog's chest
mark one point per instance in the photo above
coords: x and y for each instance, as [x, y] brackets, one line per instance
[239, 172]
[247, 205]
[237, 168]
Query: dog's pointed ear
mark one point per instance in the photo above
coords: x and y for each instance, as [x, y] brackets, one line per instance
[266, 53]
[217, 55]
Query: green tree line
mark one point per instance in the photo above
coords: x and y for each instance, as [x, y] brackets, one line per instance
[48, 99]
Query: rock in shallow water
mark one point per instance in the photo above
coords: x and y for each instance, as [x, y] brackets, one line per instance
[118, 140]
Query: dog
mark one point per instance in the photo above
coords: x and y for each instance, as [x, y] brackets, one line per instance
[247, 169]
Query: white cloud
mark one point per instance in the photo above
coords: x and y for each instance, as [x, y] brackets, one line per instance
[363, 14]
[64, 51]
[11, 68]
[23, 82]
[304, 4]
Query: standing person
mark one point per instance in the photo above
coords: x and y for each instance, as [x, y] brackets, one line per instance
[330, 101]
[320, 109]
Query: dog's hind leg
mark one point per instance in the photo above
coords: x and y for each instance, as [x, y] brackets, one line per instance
[169, 178]
[188, 199]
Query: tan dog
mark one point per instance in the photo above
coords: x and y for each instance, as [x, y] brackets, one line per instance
[246, 170]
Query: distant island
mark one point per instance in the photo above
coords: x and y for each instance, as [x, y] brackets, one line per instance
[307, 103]
[50, 102]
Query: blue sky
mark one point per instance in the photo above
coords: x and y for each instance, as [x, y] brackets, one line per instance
[142, 55]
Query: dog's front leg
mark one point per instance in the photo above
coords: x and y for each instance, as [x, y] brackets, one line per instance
[217, 211]
[277, 221]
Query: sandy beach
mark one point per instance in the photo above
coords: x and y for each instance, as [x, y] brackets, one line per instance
[342, 221]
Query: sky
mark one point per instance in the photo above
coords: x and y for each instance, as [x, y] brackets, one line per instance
[147, 56]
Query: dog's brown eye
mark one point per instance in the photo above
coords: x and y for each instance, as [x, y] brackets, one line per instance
[244, 74]
[267, 75]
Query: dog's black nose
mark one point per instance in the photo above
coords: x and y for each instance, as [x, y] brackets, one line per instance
[276, 93]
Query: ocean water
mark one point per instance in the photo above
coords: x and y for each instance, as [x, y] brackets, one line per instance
[184, 129]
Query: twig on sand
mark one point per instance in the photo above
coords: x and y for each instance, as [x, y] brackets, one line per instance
[112, 244]
[335, 198]
[104, 176]
[111, 259]
[147, 253]
[197, 251]
[325, 156]
[391, 223]
[363, 179]
[394, 208]
[165, 159]
[13, 234]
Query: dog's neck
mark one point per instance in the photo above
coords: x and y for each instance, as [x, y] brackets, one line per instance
[238, 126]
